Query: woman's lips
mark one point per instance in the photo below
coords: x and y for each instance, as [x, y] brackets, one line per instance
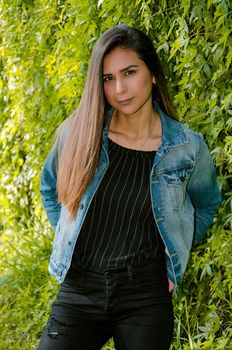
[126, 101]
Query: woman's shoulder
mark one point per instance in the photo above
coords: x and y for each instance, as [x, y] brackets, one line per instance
[189, 131]
[64, 129]
[176, 129]
[61, 136]
[177, 132]
[195, 139]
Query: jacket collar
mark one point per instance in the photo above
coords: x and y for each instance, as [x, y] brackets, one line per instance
[173, 132]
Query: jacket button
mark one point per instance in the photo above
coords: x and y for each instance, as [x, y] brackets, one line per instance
[107, 274]
[81, 206]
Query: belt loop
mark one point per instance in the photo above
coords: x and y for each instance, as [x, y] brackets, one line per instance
[130, 272]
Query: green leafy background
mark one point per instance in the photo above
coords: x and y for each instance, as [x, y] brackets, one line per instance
[44, 54]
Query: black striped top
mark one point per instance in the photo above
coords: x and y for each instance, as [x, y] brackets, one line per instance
[119, 228]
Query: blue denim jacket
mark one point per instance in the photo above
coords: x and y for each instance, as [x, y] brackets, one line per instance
[184, 197]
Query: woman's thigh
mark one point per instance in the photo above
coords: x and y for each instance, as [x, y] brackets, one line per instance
[76, 321]
[142, 329]
[135, 309]
[144, 314]
[63, 335]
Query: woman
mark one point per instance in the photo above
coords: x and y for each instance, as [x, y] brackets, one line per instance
[128, 190]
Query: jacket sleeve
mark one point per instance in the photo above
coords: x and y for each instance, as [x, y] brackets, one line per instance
[48, 188]
[203, 191]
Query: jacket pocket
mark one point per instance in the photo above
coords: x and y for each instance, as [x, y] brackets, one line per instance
[176, 180]
[178, 175]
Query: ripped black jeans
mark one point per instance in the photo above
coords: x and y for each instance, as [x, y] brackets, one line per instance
[132, 305]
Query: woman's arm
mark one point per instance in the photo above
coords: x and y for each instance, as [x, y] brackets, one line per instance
[204, 191]
[48, 188]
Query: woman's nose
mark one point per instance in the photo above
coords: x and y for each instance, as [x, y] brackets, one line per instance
[120, 86]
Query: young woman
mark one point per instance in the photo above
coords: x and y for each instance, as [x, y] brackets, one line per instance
[128, 190]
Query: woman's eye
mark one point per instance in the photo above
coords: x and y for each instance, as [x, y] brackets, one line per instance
[129, 72]
[107, 79]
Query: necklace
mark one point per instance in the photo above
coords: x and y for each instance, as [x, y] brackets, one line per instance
[141, 145]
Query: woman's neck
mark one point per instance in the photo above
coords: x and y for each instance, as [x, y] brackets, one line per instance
[136, 131]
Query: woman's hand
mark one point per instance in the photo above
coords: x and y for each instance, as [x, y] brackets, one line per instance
[171, 285]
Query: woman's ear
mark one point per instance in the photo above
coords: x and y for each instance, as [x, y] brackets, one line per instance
[153, 80]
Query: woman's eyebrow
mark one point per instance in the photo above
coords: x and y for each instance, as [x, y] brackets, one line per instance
[129, 67]
[123, 69]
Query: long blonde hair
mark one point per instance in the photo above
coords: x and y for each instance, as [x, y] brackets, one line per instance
[83, 130]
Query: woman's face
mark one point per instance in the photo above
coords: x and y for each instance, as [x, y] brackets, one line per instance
[127, 81]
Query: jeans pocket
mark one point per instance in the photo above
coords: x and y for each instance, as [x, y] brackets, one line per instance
[154, 281]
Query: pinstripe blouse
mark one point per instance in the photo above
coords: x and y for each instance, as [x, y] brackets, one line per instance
[119, 228]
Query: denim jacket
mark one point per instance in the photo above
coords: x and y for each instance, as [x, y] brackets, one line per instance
[184, 197]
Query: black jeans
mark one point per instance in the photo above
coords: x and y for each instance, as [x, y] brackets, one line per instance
[132, 305]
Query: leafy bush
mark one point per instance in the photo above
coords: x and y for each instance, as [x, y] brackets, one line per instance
[45, 49]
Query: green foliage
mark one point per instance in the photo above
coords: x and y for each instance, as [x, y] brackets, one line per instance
[45, 49]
